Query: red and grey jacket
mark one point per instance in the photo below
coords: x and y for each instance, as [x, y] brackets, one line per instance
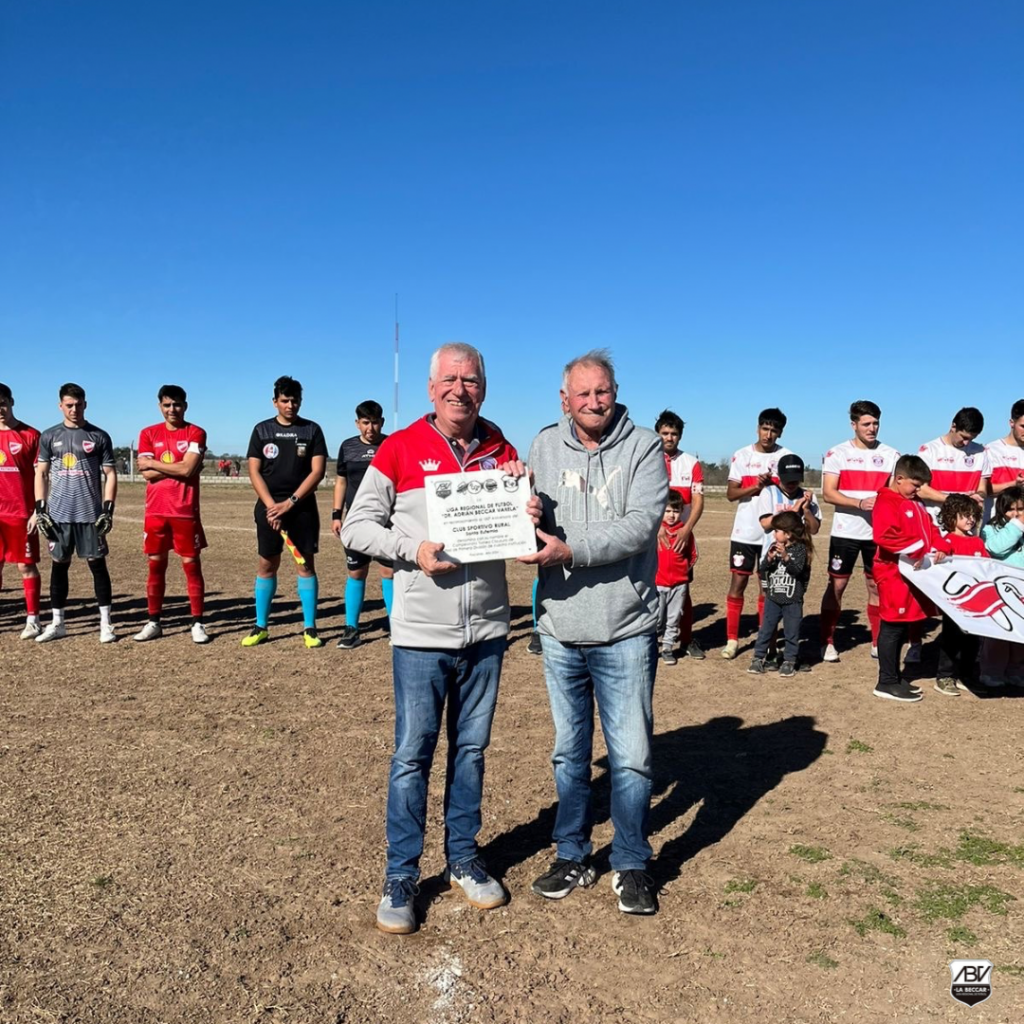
[388, 519]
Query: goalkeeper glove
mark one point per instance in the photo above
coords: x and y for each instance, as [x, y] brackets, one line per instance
[105, 523]
[44, 523]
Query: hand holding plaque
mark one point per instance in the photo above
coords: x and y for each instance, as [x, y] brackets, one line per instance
[481, 516]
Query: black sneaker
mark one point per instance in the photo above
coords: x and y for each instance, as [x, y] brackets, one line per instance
[534, 646]
[562, 877]
[897, 691]
[788, 668]
[757, 667]
[695, 651]
[635, 890]
[349, 638]
[669, 656]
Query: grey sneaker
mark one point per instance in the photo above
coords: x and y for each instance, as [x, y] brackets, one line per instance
[481, 890]
[695, 651]
[757, 667]
[562, 877]
[788, 668]
[349, 638]
[635, 890]
[669, 656]
[534, 646]
[396, 914]
[947, 685]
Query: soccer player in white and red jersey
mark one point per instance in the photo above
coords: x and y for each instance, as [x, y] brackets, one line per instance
[19, 540]
[752, 469]
[959, 465]
[852, 474]
[170, 459]
[1006, 458]
[686, 478]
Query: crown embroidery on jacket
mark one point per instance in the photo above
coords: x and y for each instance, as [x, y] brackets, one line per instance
[430, 465]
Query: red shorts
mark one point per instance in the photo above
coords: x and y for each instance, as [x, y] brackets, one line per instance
[17, 545]
[162, 533]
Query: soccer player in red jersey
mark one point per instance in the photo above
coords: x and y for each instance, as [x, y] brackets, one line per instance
[686, 478]
[852, 474]
[19, 540]
[170, 459]
[753, 468]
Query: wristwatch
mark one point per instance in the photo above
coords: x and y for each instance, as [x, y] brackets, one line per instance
[293, 499]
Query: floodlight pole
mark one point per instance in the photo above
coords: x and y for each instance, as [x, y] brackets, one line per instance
[394, 424]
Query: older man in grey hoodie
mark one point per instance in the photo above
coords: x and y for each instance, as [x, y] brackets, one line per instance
[602, 486]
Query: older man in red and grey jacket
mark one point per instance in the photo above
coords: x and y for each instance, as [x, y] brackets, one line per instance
[448, 631]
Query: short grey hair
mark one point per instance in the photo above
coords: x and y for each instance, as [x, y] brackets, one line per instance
[460, 351]
[597, 357]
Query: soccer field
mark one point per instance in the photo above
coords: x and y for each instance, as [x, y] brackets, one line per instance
[196, 834]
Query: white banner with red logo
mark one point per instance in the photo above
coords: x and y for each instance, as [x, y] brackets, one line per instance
[982, 596]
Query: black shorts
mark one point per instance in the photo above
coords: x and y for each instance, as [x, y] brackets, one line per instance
[82, 539]
[842, 556]
[357, 560]
[302, 522]
[744, 558]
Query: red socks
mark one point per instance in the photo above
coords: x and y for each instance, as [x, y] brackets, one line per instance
[829, 619]
[875, 621]
[32, 585]
[196, 587]
[156, 584]
[733, 611]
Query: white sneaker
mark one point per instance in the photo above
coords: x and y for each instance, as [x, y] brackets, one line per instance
[54, 631]
[874, 652]
[829, 653]
[913, 656]
[150, 631]
[731, 649]
[107, 635]
[199, 634]
[31, 631]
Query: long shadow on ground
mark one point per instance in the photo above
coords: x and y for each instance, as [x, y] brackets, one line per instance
[720, 765]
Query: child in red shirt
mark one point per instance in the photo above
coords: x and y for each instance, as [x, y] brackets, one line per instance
[901, 526]
[671, 579]
[958, 651]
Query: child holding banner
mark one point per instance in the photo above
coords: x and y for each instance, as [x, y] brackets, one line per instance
[958, 651]
[901, 526]
[1002, 660]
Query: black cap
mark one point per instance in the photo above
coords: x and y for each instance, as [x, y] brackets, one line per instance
[790, 469]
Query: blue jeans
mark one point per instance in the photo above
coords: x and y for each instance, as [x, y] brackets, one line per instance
[424, 679]
[620, 676]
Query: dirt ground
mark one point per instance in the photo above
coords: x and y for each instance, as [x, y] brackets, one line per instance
[193, 834]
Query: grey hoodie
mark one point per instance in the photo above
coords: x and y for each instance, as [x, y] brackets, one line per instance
[606, 503]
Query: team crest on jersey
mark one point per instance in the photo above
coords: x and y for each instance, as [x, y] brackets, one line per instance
[69, 461]
[166, 457]
[270, 451]
[87, 447]
[969, 461]
[877, 461]
[15, 447]
[909, 513]
[430, 465]
[489, 464]
[182, 446]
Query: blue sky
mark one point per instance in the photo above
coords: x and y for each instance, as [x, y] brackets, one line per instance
[750, 204]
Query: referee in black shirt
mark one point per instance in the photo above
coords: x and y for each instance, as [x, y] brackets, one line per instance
[287, 459]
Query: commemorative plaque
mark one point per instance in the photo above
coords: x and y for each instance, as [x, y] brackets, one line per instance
[479, 517]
